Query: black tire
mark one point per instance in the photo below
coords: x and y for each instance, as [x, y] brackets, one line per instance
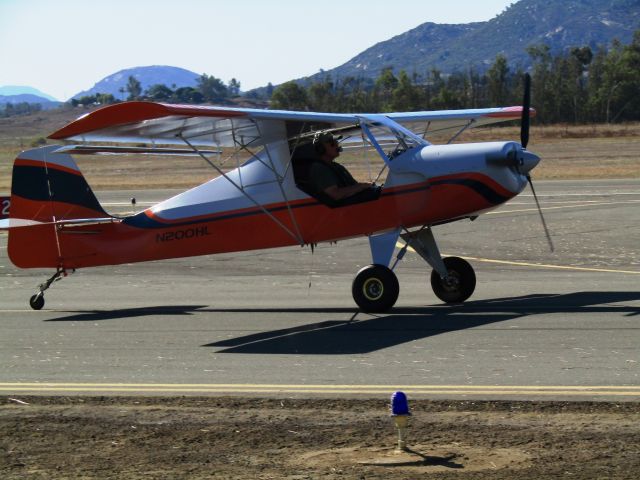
[37, 301]
[375, 288]
[462, 281]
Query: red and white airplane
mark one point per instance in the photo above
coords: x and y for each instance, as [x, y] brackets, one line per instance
[56, 221]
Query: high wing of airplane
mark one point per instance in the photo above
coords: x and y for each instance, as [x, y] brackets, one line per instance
[57, 222]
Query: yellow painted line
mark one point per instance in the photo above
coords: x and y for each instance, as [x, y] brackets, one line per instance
[539, 265]
[600, 393]
[562, 207]
[543, 265]
[320, 386]
[290, 386]
[325, 389]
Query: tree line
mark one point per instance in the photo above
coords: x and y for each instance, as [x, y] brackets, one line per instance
[20, 108]
[577, 86]
[208, 89]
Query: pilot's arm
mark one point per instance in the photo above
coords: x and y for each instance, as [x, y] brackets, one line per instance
[339, 193]
[326, 181]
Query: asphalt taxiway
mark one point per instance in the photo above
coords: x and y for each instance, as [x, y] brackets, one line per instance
[561, 325]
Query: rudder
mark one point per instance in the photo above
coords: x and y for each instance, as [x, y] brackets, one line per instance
[47, 187]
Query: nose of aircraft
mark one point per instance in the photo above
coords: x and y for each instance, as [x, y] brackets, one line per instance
[528, 162]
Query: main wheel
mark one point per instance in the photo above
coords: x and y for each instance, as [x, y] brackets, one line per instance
[37, 301]
[460, 284]
[375, 288]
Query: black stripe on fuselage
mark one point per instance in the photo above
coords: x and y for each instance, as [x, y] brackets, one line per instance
[488, 193]
[30, 183]
[141, 220]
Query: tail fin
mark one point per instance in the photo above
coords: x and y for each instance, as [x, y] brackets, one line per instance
[46, 188]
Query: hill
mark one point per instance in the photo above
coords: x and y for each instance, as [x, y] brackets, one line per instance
[560, 24]
[9, 90]
[147, 76]
[29, 98]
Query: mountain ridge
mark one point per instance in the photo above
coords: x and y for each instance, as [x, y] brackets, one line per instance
[13, 90]
[559, 24]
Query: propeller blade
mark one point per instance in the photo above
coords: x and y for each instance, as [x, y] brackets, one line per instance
[544, 224]
[526, 106]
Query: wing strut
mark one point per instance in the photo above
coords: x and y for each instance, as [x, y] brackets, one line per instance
[279, 180]
[469, 123]
[297, 238]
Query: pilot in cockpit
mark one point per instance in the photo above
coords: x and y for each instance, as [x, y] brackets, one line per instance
[330, 177]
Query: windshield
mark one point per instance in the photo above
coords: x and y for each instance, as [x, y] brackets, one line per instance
[388, 137]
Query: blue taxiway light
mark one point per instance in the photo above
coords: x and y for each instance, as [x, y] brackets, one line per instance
[399, 404]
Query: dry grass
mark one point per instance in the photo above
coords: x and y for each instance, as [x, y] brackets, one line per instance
[576, 151]
[568, 152]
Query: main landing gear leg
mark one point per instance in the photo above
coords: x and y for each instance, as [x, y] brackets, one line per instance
[452, 279]
[376, 287]
[37, 300]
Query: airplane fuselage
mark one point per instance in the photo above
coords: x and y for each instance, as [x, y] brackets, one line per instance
[425, 186]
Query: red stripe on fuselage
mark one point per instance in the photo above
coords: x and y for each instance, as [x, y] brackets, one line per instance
[22, 162]
[407, 206]
[308, 202]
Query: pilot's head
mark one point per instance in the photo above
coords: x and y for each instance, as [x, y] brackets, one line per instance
[326, 145]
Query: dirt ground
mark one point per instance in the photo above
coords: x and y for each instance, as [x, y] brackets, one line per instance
[196, 438]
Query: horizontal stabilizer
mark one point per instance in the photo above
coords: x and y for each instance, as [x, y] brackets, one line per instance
[10, 223]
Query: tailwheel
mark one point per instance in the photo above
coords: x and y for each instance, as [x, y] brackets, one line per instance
[375, 288]
[459, 283]
[37, 301]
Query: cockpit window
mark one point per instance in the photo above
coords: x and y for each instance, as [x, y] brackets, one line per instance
[389, 138]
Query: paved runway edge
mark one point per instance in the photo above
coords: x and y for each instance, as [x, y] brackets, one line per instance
[257, 389]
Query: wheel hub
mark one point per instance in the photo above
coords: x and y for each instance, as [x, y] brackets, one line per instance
[373, 289]
[452, 281]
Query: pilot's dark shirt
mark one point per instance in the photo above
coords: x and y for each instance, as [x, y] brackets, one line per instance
[323, 175]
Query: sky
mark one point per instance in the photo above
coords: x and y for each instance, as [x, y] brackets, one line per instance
[62, 47]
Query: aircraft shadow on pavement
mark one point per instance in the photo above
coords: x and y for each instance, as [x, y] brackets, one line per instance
[403, 325]
[98, 315]
[368, 333]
